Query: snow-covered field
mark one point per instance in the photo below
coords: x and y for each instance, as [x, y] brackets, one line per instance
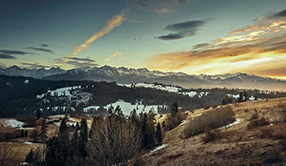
[168, 88]
[13, 123]
[251, 98]
[127, 107]
[60, 92]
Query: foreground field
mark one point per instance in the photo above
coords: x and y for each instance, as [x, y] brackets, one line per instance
[245, 142]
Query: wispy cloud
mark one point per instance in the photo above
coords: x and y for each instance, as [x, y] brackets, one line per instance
[83, 59]
[184, 29]
[44, 45]
[202, 46]
[114, 54]
[35, 65]
[6, 56]
[163, 10]
[248, 48]
[40, 49]
[79, 62]
[150, 3]
[111, 24]
[14, 52]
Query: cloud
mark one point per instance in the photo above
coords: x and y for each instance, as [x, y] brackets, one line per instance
[40, 49]
[83, 59]
[79, 62]
[163, 10]
[184, 29]
[6, 56]
[202, 45]
[35, 65]
[171, 36]
[44, 45]
[114, 54]
[151, 3]
[280, 14]
[14, 52]
[110, 25]
[82, 64]
[219, 54]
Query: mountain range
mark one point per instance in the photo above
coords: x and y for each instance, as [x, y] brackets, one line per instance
[124, 75]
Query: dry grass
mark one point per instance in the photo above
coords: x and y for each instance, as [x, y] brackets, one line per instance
[234, 145]
[209, 120]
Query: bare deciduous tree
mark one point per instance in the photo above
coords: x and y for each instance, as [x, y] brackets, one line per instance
[7, 154]
[113, 142]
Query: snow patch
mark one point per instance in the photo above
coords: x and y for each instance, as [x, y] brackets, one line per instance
[159, 147]
[11, 123]
[127, 107]
[168, 88]
[237, 121]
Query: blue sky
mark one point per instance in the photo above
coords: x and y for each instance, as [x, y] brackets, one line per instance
[192, 36]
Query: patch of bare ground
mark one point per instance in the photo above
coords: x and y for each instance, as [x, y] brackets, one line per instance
[251, 141]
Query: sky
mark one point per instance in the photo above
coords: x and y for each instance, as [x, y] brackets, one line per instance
[190, 36]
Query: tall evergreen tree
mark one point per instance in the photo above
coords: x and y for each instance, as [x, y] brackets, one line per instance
[83, 138]
[43, 132]
[64, 139]
[159, 134]
[54, 154]
[30, 156]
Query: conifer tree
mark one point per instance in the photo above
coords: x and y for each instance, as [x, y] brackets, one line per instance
[43, 132]
[30, 156]
[64, 139]
[83, 137]
[54, 154]
[159, 134]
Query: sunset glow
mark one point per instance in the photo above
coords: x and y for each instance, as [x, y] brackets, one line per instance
[194, 37]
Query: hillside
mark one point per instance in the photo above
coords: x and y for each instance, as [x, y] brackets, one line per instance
[236, 144]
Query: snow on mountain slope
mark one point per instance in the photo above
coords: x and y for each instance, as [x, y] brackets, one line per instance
[168, 88]
[127, 107]
[72, 94]
[154, 86]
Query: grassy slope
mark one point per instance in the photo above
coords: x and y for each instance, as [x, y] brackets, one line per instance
[236, 145]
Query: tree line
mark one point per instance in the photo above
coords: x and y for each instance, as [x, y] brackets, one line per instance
[112, 139]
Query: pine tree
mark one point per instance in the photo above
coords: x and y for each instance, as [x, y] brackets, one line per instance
[83, 138]
[246, 98]
[159, 134]
[38, 114]
[54, 154]
[174, 109]
[30, 156]
[64, 139]
[43, 132]
[240, 98]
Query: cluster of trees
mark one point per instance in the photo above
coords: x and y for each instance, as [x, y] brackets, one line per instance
[111, 140]
[243, 97]
[174, 118]
[19, 98]
[11, 135]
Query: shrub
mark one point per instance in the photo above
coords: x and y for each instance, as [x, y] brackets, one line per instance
[257, 122]
[209, 120]
[274, 132]
[210, 136]
[254, 116]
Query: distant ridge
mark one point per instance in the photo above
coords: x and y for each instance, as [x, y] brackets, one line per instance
[124, 75]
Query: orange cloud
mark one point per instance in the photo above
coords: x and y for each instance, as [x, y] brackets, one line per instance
[111, 24]
[247, 49]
